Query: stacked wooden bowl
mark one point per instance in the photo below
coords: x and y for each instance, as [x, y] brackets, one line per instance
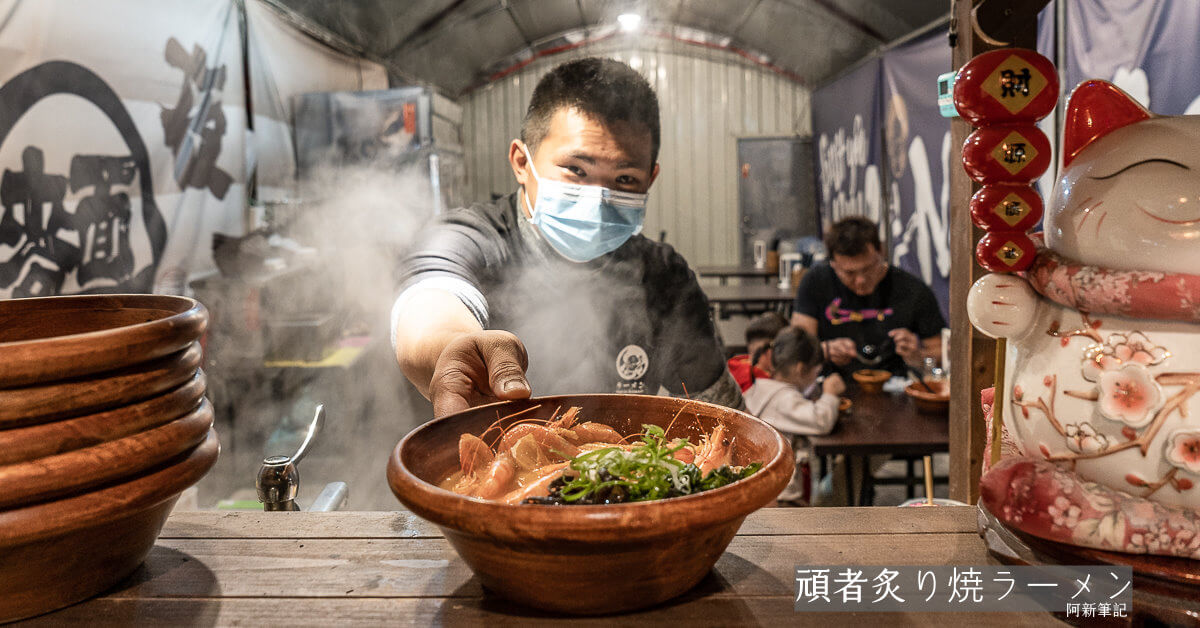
[103, 423]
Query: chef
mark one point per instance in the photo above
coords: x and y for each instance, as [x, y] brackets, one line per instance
[552, 287]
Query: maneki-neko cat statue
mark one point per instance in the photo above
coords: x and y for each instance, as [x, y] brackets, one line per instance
[1101, 393]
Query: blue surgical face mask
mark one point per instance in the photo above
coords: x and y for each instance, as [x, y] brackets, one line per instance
[583, 222]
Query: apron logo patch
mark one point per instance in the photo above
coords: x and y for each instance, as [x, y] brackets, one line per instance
[632, 363]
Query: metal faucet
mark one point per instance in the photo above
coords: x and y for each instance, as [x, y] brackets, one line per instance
[278, 479]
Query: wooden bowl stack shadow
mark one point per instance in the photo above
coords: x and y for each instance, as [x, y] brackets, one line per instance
[591, 559]
[103, 423]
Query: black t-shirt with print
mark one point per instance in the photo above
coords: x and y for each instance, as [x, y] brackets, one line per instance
[899, 301]
[627, 322]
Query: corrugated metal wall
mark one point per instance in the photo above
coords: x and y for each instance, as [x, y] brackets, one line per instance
[708, 98]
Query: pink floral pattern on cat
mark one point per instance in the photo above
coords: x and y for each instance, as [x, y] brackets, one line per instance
[1083, 438]
[1039, 498]
[1129, 395]
[1119, 349]
[1183, 450]
[1130, 293]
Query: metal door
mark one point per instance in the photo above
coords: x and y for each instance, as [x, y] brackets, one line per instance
[776, 197]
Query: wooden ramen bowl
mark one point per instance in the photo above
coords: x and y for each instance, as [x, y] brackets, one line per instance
[871, 380]
[53, 338]
[591, 559]
[930, 403]
[43, 403]
[59, 552]
[73, 472]
[20, 444]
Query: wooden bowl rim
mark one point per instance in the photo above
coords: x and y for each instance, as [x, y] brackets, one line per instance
[67, 473]
[871, 375]
[22, 407]
[636, 521]
[914, 390]
[84, 353]
[62, 516]
[37, 440]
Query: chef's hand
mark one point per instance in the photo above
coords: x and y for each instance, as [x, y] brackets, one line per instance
[908, 346]
[478, 368]
[840, 350]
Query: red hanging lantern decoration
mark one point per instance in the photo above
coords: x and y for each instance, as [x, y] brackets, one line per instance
[1004, 93]
[1006, 207]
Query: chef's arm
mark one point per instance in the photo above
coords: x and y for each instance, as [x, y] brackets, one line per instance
[444, 351]
[423, 325]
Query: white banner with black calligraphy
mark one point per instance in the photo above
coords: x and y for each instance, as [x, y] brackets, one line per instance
[122, 143]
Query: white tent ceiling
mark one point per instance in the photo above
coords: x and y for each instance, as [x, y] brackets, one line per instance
[457, 44]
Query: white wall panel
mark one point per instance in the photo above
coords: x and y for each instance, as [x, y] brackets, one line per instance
[708, 99]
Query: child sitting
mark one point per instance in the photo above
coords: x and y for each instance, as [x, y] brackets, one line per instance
[759, 334]
[796, 361]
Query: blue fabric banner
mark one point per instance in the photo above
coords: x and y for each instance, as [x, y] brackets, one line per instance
[1148, 48]
[919, 156]
[846, 140]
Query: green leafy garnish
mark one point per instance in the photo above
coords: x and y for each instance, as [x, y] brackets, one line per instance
[645, 472]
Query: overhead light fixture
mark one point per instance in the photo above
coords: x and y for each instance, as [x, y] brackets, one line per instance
[629, 22]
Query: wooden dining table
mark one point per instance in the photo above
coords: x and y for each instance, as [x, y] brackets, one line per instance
[212, 568]
[749, 300]
[723, 273]
[881, 423]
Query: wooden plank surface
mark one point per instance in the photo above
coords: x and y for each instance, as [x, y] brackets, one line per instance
[690, 610]
[751, 565]
[371, 568]
[349, 525]
[884, 423]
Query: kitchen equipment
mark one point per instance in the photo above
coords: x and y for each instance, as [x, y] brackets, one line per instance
[278, 479]
[591, 559]
[303, 338]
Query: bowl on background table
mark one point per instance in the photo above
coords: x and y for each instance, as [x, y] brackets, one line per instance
[871, 381]
[591, 559]
[936, 402]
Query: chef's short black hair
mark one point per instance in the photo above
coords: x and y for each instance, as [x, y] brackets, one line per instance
[604, 88]
[849, 237]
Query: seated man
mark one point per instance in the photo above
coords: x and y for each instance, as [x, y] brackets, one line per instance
[866, 313]
[553, 287]
[756, 362]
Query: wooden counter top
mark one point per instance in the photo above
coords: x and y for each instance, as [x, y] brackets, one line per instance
[370, 568]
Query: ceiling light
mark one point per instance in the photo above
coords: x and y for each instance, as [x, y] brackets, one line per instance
[629, 21]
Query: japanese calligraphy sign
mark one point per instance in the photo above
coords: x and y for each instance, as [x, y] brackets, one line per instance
[122, 144]
[1095, 591]
[1005, 86]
